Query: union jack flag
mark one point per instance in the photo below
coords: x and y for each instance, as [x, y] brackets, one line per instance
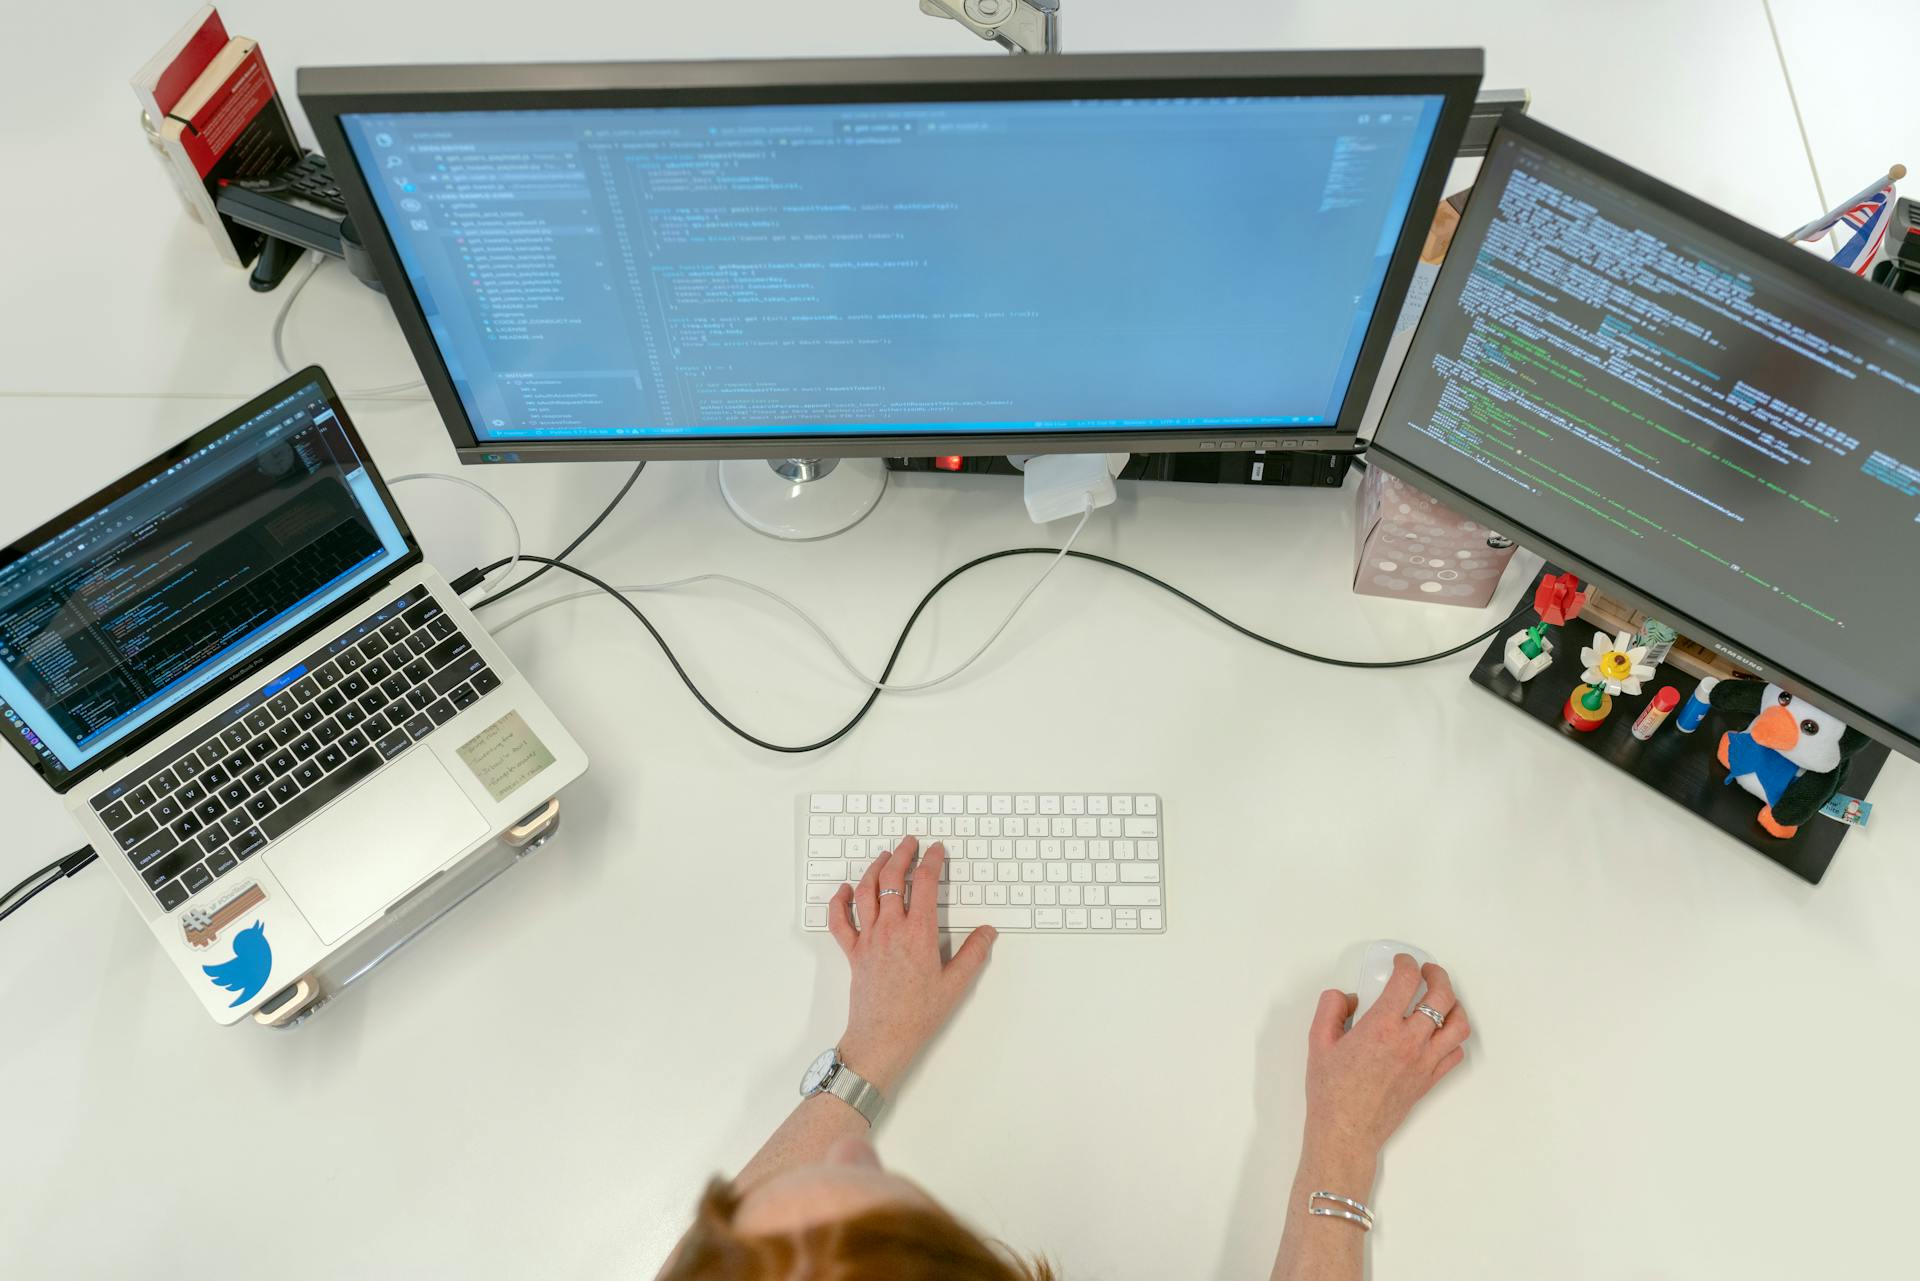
[1867, 218]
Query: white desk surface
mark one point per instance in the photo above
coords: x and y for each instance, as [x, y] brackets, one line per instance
[1686, 1063]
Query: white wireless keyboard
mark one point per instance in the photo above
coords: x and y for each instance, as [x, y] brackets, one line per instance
[1038, 862]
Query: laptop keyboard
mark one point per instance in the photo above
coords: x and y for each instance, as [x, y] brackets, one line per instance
[298, 743]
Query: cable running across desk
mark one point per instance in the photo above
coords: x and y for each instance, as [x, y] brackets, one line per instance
[899, 644]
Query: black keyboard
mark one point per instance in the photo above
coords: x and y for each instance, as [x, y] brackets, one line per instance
[304, 739]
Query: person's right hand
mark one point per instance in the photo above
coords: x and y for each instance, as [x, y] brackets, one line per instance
[1361, 1083]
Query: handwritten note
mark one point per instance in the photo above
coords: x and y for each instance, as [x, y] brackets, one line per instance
[504, 755]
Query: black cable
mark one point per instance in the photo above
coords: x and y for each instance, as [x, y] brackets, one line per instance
[58, 870]
[900, 644]
[570, 548]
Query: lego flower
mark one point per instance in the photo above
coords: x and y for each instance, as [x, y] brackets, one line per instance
[1617, 664]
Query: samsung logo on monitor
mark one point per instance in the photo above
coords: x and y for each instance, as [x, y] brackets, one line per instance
[1737, 656]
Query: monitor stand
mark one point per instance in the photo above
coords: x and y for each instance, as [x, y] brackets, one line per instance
[802, 498]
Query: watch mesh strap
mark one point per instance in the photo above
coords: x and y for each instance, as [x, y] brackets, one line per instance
[856, 1092]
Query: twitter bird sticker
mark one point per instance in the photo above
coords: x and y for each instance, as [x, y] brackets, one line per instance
[246, 973]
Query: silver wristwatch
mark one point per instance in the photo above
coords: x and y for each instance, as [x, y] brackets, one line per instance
[828, 1075]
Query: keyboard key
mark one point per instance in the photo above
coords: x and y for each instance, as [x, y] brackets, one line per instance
[305, 746]
[419, 727]
[282, 704]
[1134, 896]
[352, 687]
[1151, 919]
[396, 630]
[189, 825]
[351, 661]
[135, 830]
[259, 720]
[248, 843]
[235, 793]
[309, 802]
[166, 809]
[1142, 827]
[377, 728]
[214, 779]
[420, 699]
[284, 789]
[171, 895]
[308, 774]
[485, 682]
[327, 676]
[350, 715]
[222, 863]
[260, 748]
[285, 732]
[211, 753]
[828, 803]
[373, 645]
[307, 717]
[395, 686]
[196, 878]
[961, 916]
[376, 671]
[442, 712]
[1146, 805]
[151, 850]
[210, 809]
[463, 697]
[259, 776]
[457, 672]
[330, 701]
[116, 814]
[235, 736]
[394, 744]
[1140, 873]
[425, 612]
[374, 701]
[418, 670]
[140, 798]
[262, 805]
[331, 759]
[441, 627]
[327, 731]
[163, 783]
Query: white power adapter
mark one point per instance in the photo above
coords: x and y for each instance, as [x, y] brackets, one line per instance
[1061, 485]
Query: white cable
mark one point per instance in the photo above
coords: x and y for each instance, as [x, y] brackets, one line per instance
[280, 349]
[513, 562]
[846, 662]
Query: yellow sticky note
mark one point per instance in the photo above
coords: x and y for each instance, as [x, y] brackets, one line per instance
[505, 755]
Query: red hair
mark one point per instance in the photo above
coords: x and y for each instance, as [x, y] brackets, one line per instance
[889, 1244]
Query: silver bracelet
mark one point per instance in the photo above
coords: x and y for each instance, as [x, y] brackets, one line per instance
[1364, 1217]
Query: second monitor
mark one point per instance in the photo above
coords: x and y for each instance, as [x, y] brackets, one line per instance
[851, 259]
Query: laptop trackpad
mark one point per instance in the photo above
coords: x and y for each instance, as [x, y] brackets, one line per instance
[375, 844]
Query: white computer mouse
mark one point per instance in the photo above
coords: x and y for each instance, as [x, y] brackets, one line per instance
[1376, 967]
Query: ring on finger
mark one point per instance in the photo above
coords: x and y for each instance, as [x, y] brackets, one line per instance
[1439, 1019]
[903, 897]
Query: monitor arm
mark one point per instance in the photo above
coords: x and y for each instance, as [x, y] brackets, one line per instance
[1021, 26]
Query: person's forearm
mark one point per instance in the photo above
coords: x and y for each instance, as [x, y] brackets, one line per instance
[1316, 1247]
[802, 1139]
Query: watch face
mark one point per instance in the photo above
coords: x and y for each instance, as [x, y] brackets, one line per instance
[818, 1071]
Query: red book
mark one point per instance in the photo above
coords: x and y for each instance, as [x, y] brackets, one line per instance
[230, 123]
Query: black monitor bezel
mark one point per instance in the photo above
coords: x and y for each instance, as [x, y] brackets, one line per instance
[61, 779]
[328, 93]
[1842, 287]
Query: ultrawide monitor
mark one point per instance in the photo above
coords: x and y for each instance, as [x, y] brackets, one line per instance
[897, 256]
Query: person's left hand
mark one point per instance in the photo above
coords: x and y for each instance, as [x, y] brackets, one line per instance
[902, 992]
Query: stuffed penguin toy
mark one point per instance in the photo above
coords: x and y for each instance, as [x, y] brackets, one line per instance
[1791, 755]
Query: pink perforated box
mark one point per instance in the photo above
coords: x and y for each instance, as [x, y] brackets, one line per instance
[1409, 544]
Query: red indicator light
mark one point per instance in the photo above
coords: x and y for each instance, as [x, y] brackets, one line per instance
[949, 462]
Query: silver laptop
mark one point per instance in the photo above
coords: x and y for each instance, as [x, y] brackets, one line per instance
[271, 719]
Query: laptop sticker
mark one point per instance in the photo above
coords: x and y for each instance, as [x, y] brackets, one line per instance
[246, 973]
[204, 922]
[505, 755]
